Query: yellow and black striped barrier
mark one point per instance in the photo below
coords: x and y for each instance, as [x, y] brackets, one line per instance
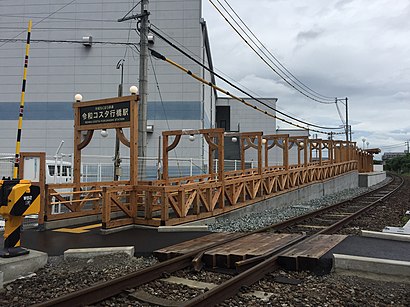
[17, 199]
[21, 109]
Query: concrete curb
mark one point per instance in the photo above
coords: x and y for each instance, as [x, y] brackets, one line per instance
[15, 267]
[126, 227]
[182, 228]
[99, 251]
[385, 235]
[374, 268]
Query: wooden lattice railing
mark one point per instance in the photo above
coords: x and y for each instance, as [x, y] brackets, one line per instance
[183, 200]
[171, 204]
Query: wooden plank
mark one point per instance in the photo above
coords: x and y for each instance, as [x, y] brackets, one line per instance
[62, 216]
[244, 248]
[306, 256]
[188, 246]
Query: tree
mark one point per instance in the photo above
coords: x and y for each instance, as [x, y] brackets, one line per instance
[399, 164]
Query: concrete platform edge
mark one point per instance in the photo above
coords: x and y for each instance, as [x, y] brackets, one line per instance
[374, 268]
[384, 235]
[98, 251]
[182, 228]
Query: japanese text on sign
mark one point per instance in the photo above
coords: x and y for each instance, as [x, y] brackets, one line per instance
[107, 113]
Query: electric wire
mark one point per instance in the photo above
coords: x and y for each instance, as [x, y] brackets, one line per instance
[161, 57]
[64, 28]
[17, 40]
[340, 114]
[163, 109]
[129, 29]
[236, 87]
[131, 9]
[273, 56]
[56, 18]
[289, 75]
[191, 54]
[48, 16]
[133, 44]
[266, 62]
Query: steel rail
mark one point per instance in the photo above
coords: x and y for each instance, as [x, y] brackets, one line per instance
[266, 264]
[107, 289]
[296, 219]
[258, 271]
[339, 225]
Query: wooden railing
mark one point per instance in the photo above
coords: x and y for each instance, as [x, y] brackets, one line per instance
[174, 204]
[185, 199]
[74, 200]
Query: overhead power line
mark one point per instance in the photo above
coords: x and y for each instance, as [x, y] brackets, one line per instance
[15, 40]
[275, 58]
[235, 86]
[194, 57]
[44, 18]
[285, 77]
[161, 57]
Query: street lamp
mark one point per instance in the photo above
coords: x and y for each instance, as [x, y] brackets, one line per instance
[78, 97]
[367, 144]
[134, 90]
[363, 140]
[104, 133]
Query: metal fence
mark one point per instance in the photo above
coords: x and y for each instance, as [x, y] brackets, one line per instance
[103, 169]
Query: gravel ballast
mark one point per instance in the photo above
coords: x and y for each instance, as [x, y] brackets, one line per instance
[61, 276]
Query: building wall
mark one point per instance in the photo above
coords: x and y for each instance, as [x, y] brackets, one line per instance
[293, 152]
[245, 119]
[57, 71]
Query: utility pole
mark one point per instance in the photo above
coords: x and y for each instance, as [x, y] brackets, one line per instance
[347, 128]
[143, 88]
[117, 159]
[143, 84]
[347, 122]
[407, 144]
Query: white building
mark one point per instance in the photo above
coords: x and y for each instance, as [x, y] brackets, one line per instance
[58, 70]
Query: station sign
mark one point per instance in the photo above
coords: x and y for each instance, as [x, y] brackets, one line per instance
[118, 112]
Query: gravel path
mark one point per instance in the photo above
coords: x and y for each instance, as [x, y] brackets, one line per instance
[62, 276]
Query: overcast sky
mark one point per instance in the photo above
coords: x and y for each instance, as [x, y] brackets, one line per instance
[358, 49]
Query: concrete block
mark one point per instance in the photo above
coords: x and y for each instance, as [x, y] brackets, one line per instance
[397, 230]
[182, 228]
[15, 267]
[369, 179]
[94, 252]
[116, 229]
[1, 280]
[385, 235]
[373, 266]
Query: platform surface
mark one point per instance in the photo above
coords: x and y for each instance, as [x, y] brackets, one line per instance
[144, 240]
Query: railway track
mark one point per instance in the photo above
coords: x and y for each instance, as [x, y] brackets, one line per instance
[330, 219]
[324, 221]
